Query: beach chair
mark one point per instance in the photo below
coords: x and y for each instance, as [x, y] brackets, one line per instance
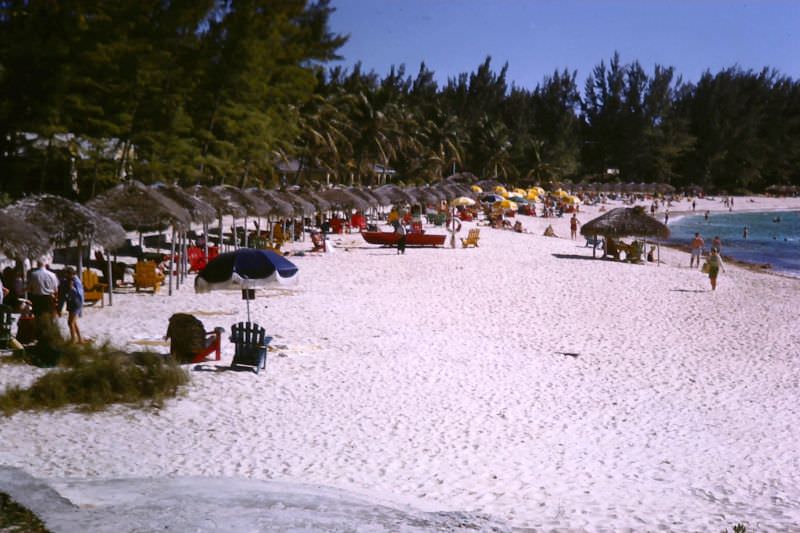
[189, 340]
[251, 344]
[472, 238]
[594, 241]
[92, 288]
[147, 276]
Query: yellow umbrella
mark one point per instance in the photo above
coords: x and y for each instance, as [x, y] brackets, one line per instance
[506, 204]
[501, 191]
[532, 196]
[519, 192]
[538, 191]
[561, 193]
[572, 199]
[476, 189]
[462, 201]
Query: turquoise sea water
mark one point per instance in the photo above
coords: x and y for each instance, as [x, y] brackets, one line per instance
[768, 241]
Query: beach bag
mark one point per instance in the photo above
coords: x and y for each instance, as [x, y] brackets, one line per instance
[706, 268]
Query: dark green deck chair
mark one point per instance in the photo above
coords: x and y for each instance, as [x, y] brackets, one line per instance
[250, 343]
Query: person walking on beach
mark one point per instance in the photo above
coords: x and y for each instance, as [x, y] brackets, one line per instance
[400, 229]
[693, 205]
[573, 226]
[716, 243]
[666, 217]
[714, 266]
[697, 250]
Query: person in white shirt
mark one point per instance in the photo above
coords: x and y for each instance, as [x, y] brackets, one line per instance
[42, 289]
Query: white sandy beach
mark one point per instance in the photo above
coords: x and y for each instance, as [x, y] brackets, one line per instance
[440, 376]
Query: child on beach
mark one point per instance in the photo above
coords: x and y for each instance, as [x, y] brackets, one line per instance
[714, 266]
[71, 293]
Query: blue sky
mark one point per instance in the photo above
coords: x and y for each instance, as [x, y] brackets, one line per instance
[537, 37]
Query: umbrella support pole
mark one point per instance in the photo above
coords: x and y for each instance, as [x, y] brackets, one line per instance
[245, 231]
[171, 260]
[110, 278]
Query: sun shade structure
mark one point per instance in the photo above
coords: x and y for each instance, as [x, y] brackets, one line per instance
[20, 239]
[344, 199]
[625, 222]
[246, 269]
[139, 208]
[199, 210]
[67, 222]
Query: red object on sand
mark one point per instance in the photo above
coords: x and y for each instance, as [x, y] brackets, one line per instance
[389, 238]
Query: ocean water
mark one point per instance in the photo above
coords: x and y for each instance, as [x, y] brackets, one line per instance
[773, 237]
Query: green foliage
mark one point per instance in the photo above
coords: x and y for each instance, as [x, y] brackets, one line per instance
[209, 92]
[16, 518]
[93, 377]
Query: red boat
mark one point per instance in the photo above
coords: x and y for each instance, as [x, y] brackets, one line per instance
[389, 238]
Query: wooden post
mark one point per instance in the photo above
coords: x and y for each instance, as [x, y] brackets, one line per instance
[110, 277]
[171, 260]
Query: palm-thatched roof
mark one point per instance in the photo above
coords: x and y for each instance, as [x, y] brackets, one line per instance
[67, 222]
[300, 204]
[20, 239]
[344, 199]
[218, 202]
[198, 209]
[396, 195]
[624, 222]
[278, 205]
[319, 202]
[252, 205]
[139, 208]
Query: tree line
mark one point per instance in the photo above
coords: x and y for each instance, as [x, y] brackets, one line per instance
[222, 91]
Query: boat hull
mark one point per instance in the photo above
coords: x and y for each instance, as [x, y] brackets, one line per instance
[389, 238]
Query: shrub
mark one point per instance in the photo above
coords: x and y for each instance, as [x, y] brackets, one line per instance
[14, 517]
[93, 377]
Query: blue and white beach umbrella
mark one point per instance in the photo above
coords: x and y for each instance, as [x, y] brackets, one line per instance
[245, 268]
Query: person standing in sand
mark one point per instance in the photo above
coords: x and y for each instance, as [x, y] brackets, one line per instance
[714, 266]
[697, 250]
[400, 229]
[716, 242]
[573, 226]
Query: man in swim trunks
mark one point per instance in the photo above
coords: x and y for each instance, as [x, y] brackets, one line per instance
[697, 250]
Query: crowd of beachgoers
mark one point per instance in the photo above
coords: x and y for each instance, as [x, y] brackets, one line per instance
[521, 379]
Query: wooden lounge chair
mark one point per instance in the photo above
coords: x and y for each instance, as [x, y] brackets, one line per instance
[472, 238]
[147, 276]
[250, 343]
[93, 289]
[189, 340]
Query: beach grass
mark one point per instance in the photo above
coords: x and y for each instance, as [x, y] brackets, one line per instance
[93, 377]
[16, 518]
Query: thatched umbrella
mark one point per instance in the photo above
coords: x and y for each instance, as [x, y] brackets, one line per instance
[20, 239]
[395, 194]
[139, 208]
[253, 205]
[344, 199]
[277, 202]
[67, 221]
[624, 222]
[199, 211]
[319, 202]
[218, 202]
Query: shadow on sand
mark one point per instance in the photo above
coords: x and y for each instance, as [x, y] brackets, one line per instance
[687, 290]
[575, 256]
